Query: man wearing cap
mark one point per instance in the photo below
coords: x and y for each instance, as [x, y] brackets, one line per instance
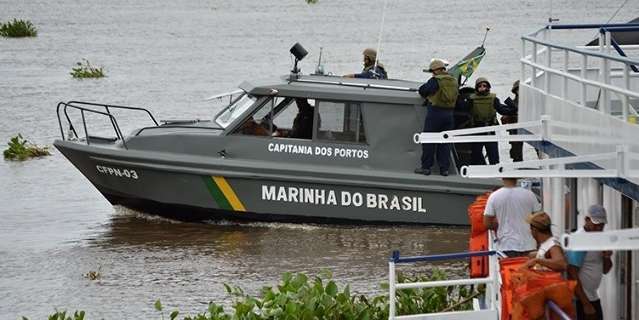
[588, 267]
[506, 212]
[440, 92]
[549, 255]
[484, 108]
[370, 71]
[509, 115]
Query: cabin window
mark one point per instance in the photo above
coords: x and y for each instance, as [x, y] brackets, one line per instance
[258, 123]
[235, 109]
[292, 118]
[340, 121]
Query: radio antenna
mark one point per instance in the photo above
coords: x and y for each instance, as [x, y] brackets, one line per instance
[485, 35]
[379, 37]
[319, 69]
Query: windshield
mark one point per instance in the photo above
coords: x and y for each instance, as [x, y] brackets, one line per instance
[234, 110]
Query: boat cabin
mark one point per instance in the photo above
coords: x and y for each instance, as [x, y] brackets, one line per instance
[357, 122]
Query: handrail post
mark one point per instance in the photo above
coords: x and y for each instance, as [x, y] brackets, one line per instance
[84, 123]
[391, 290]
[584, 88]
[57, 111]
[522, 71]
[117, 131]
[547, 79]
[564, 84]
[534, 69]
[605, 94]
[624, 97]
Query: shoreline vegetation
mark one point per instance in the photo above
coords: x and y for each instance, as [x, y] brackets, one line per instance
[297, 296]
[20, 149]
[18, 29]
[84, 69]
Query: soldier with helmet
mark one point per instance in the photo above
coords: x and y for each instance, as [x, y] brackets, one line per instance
[484, 106]
[370, 71]
[440, 92]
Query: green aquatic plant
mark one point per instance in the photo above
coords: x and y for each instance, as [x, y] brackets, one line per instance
[21, 149]
[94, 275]
[297, 296]
[312, 1]
[84, 69]
[18, 29]
[62, 315]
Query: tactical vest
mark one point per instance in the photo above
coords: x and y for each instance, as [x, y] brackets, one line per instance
[483, 109]
[446, 96]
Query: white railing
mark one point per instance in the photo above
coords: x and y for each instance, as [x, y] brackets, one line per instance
[491, 295]
[540, 64]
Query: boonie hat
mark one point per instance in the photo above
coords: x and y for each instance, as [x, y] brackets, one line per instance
[539, 220]
[436, 64]
[597, 214]
[370, 53]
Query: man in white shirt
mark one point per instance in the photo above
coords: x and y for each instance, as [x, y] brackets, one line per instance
[588, 267]
[506, 212]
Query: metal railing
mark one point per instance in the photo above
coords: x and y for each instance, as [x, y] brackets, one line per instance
[164, 126]
[553, 308]
[79, 105]
[491, 282]
[540, 63]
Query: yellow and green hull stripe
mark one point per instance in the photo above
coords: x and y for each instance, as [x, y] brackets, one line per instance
[223, 194]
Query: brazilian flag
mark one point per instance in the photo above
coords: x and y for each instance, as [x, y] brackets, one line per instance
[467, 65]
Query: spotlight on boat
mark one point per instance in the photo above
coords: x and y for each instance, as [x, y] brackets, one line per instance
[299, 53]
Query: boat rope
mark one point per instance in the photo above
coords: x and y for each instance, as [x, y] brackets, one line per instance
[616, 12]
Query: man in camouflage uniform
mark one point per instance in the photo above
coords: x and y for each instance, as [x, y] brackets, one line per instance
[484, 108]
[440, 92]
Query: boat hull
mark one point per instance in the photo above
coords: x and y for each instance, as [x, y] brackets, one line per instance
[209, 191]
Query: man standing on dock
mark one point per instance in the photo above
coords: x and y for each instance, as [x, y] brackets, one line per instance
[588, 267]
[440, 92]
[506, 212]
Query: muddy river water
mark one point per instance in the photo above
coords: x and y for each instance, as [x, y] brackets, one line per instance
[168, 56]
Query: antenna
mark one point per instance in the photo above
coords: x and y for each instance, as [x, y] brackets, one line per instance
[379, 37]
[319, 69]
[485, 35]
[550, 18]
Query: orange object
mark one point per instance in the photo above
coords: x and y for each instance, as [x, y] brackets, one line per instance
[531, 289]
[478, 236]
[479, 265]
[507, 266]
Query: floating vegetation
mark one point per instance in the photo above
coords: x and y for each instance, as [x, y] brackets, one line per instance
[312, 1]
[21, 149]
[299, 297]
[62, 315]
[94, 275]
[18, 29]
[84, 69]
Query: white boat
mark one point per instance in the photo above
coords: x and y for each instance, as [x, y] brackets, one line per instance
[578, 108]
